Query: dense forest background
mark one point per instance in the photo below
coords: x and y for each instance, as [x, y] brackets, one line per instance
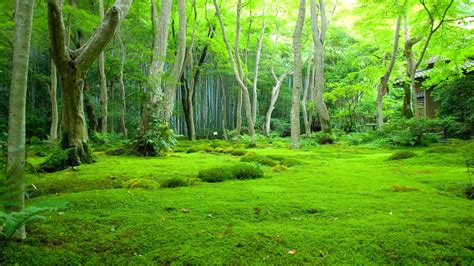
[358, 44]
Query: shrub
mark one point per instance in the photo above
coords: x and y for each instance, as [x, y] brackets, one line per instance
[214, 175]
[263, 160]
[400, 188]
[194, 181]
[141, 183]
[174, 182]
[323, 137]
[34, 140]
[246, 171]
[157, 140]
[400, 155]
[191, 150]
[58, 160]
[279, 168]
[104, 138]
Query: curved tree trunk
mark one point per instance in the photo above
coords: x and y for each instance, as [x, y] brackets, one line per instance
[256, 66]
[295, 100]
[123, 54]
[273, 100]
[303, 101]
[17, 107]
[383, 86]
[318, 39]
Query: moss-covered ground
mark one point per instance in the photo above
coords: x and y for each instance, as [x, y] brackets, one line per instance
[335, 204]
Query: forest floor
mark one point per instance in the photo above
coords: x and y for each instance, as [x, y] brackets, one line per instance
[334, 204]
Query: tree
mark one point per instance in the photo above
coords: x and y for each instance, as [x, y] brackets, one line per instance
[53, 134]
[298, 78]
[319, 35]
[17, 117]
[103, 81]
[73, 65]
[383, 86]
[123, 54]
[237, 69]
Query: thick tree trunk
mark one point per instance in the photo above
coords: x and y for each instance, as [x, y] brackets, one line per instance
[383, 86]
[17, 107]
[123, 110]
[73, 65]
[161, 24]
[297, 83]
[318, 39]
[53, 133]
[89, 106]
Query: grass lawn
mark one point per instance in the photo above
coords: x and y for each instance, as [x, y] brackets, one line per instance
[337, 204]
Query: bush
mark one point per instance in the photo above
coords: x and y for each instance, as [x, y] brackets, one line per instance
[263, 160]
[191, 150]
[174, 182]
[415, 132]
[246, 171]
[400, 155]
[157, 140]
[58, 160]
[34, 140]
[323, 137]
[141, 183]
[104, 138]
[289, 162]
[279, 168]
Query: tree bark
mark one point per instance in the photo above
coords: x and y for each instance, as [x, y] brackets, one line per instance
[123, 55]
[238, 74]
[103, 97]
[17, 108]
[73, 65]
[53, 133]
[256, 66]
[383, 86]
[224, 107]
[318, 39]
[305, 98]
[161, 24]
[273, 100]
[297, 83]
[170, 88]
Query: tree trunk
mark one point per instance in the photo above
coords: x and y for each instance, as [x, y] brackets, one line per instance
[257, 63]
[238, 72]
[295, 100]
[274, 98]
[303, 101]
[383, 86]
[318, 39]
[161, 24]
[53, 133]
[224, 107]
[123, 55]
[238, 115]
[17, 108]
[170, 88]
[103, 98]
[89, 106]
[73, 65]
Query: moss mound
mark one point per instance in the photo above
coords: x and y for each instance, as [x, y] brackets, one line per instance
[174, 182]
[239, 171]
[400, 155]
[400, 188]
[141, 183]
[263, 160]
[279, 168]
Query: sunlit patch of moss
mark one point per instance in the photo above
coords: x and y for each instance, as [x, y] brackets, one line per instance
[141, 183]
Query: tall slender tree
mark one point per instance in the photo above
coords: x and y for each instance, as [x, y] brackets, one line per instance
[103, 96]
[298, 78]
[17, 108]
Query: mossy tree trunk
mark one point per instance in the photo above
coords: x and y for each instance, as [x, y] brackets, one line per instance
[17, 117]
[72, 66]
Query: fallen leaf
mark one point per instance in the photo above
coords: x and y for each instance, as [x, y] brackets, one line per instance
[184, 210]
[292, 252]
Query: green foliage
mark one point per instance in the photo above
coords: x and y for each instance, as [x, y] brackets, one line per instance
[400, 155]
[246, 171]
[141, 183]
[413, 132]
[158, 140]
[57, 160]
[322, 137]
[34, 140]
[11, 221]
[239, 152]
[105, 138]
[174, 182]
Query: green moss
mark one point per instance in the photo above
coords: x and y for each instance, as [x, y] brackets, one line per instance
[174, 182]
[263, 160]
[141, 183]
[239, 152]
[289, 162]
[246, 171]
[400, 155]
[400, 188]
[279, 168]
[217, 174]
